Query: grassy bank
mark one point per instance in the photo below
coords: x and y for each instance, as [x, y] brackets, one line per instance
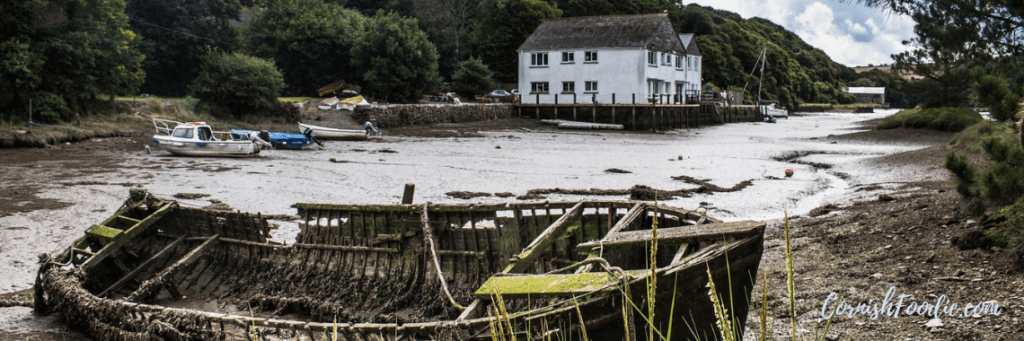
[944, 119]
[123, 117]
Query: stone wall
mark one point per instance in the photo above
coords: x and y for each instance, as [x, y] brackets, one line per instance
[397, 115]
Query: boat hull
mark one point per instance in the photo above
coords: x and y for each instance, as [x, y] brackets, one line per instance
[354, 269]
[325, 133]
[207, 148]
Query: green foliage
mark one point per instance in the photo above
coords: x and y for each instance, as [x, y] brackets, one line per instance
[795, 72]
[579, 8]
[1000, 178]
[944, 119]
[62, 53]
[501, 26]
[472, 77]
[309, 41]
[993, 92]
[399, 62]
[446, 23]
[173, 55]
[1010, 231]
[237, 84]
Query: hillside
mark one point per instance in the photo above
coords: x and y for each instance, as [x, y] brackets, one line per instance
[796, 72]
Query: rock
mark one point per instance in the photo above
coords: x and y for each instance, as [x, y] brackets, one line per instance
[497, 147]
[958, 273]
[877, 275]
[885, 198]
[934, 323]
[971, 222]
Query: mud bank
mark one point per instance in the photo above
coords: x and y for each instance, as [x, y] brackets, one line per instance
[42, 139]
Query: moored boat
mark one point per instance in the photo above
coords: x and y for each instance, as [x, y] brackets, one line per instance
[199, 139]
[327, 133]
[281, 140]
[402, 272]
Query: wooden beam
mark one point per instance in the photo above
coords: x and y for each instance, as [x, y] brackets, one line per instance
[124, 280]
[546, 286]
[545, 239]
[159, 280]
[626, 220]
[707, 232]
[128, 234]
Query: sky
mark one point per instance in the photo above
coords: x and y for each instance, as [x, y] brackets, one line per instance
[851, 34]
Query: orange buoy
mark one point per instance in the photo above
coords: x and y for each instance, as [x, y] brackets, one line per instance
[789, 172]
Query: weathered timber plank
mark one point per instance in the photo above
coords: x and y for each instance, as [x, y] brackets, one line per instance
[110, 248]
[545, 239]
[159, 280]
[546, 286]
[124, 280]
[706, 232]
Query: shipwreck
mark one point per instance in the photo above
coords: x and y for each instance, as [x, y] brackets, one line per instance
[158, 270]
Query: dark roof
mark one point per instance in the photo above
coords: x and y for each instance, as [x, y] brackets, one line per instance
[649, 31]
[691, 44]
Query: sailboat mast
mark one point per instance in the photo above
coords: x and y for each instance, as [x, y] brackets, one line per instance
[760, 80]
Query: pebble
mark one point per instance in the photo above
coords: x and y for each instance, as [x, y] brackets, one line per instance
[934, 323]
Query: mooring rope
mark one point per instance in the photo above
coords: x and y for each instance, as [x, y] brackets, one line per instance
[429, 237]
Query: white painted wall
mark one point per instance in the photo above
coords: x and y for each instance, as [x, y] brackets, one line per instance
[623, 72]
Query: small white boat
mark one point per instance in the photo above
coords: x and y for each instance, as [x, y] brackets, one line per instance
[770, 109]
[325, 133]
[198, 139]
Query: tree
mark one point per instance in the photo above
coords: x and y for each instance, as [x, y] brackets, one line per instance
[472, 77]
[176, 35]
[446, 23]
[308, 40]
[398, 61]
[579, 8]
[501, 26]
[64, 53]
[237, 84]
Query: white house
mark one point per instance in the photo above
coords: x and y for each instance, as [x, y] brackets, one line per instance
[594, 58]
[868, 94]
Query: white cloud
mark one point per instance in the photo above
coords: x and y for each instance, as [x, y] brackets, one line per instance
[850, 34]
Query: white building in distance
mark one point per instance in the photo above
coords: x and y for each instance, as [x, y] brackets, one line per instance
[868, 94]
[630, 57]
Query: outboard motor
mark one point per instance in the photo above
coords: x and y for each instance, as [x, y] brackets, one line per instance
[309, 135]
[255, 137]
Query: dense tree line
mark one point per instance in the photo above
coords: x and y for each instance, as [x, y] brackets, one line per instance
[397, 50]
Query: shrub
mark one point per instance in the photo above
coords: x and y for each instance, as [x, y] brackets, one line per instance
[237, 84]
[944, 119]
[400, 64]
[1002, 103]
[1010, 231]
[472, 77]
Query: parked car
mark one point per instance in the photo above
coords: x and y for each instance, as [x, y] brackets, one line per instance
[515, 92]
[497, 93]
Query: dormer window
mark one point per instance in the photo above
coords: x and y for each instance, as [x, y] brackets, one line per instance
[568, 57]
[652, 58]
[590, 57]
[679, 62]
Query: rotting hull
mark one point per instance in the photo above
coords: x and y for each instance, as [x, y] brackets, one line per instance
[369, 272]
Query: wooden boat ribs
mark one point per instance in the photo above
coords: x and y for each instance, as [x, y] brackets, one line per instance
[157, 270]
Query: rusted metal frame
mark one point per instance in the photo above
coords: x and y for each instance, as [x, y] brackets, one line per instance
[130, 233]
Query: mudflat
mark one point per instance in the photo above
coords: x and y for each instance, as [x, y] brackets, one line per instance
[871, 209]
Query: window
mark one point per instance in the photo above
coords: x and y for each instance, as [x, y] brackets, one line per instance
[539, 87]
[591, 86]
[539, 59]
[689, 63]
[568, 57]
[568, 86]
[590, 57]
[668, 59]
[652, 58]
[185, 133]
[679, 62]
[696, 63]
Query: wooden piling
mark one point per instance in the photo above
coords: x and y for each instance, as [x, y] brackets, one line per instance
[410, 189]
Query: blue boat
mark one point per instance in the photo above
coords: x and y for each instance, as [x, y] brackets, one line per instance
[283, 140]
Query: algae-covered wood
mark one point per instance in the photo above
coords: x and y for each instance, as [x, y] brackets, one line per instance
[544, 286]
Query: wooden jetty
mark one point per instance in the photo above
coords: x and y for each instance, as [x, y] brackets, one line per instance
[660, 113]
[157, 270]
